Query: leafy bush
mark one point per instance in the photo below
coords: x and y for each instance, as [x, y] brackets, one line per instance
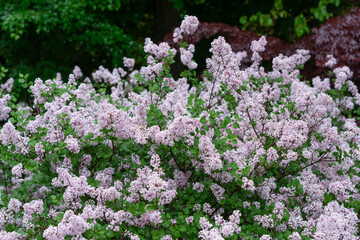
[241, 154]
[45, 37]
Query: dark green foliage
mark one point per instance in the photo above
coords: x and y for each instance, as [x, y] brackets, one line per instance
[45, 37]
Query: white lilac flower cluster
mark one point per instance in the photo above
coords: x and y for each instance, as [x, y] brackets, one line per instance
[4, 99]
[244, 153]
[188, 26]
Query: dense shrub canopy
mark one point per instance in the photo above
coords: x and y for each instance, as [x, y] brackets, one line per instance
[229, 154]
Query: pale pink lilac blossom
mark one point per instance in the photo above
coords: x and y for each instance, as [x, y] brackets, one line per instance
[188, 26]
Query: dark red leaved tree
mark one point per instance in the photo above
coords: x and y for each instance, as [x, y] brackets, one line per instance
[339, 36]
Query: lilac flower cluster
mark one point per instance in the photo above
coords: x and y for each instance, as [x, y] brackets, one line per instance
[4, 99]
[188, 26]
[242, 154]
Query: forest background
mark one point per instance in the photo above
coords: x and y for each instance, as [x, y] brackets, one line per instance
[43, 37]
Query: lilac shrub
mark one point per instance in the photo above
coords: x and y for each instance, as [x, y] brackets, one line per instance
[233, 153]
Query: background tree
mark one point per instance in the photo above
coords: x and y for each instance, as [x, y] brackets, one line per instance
[43, 37]
[286, 19]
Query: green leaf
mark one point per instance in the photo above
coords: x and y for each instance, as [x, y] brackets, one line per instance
[203, 120]
[300, 24]
[227, 120]
[59, 217]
